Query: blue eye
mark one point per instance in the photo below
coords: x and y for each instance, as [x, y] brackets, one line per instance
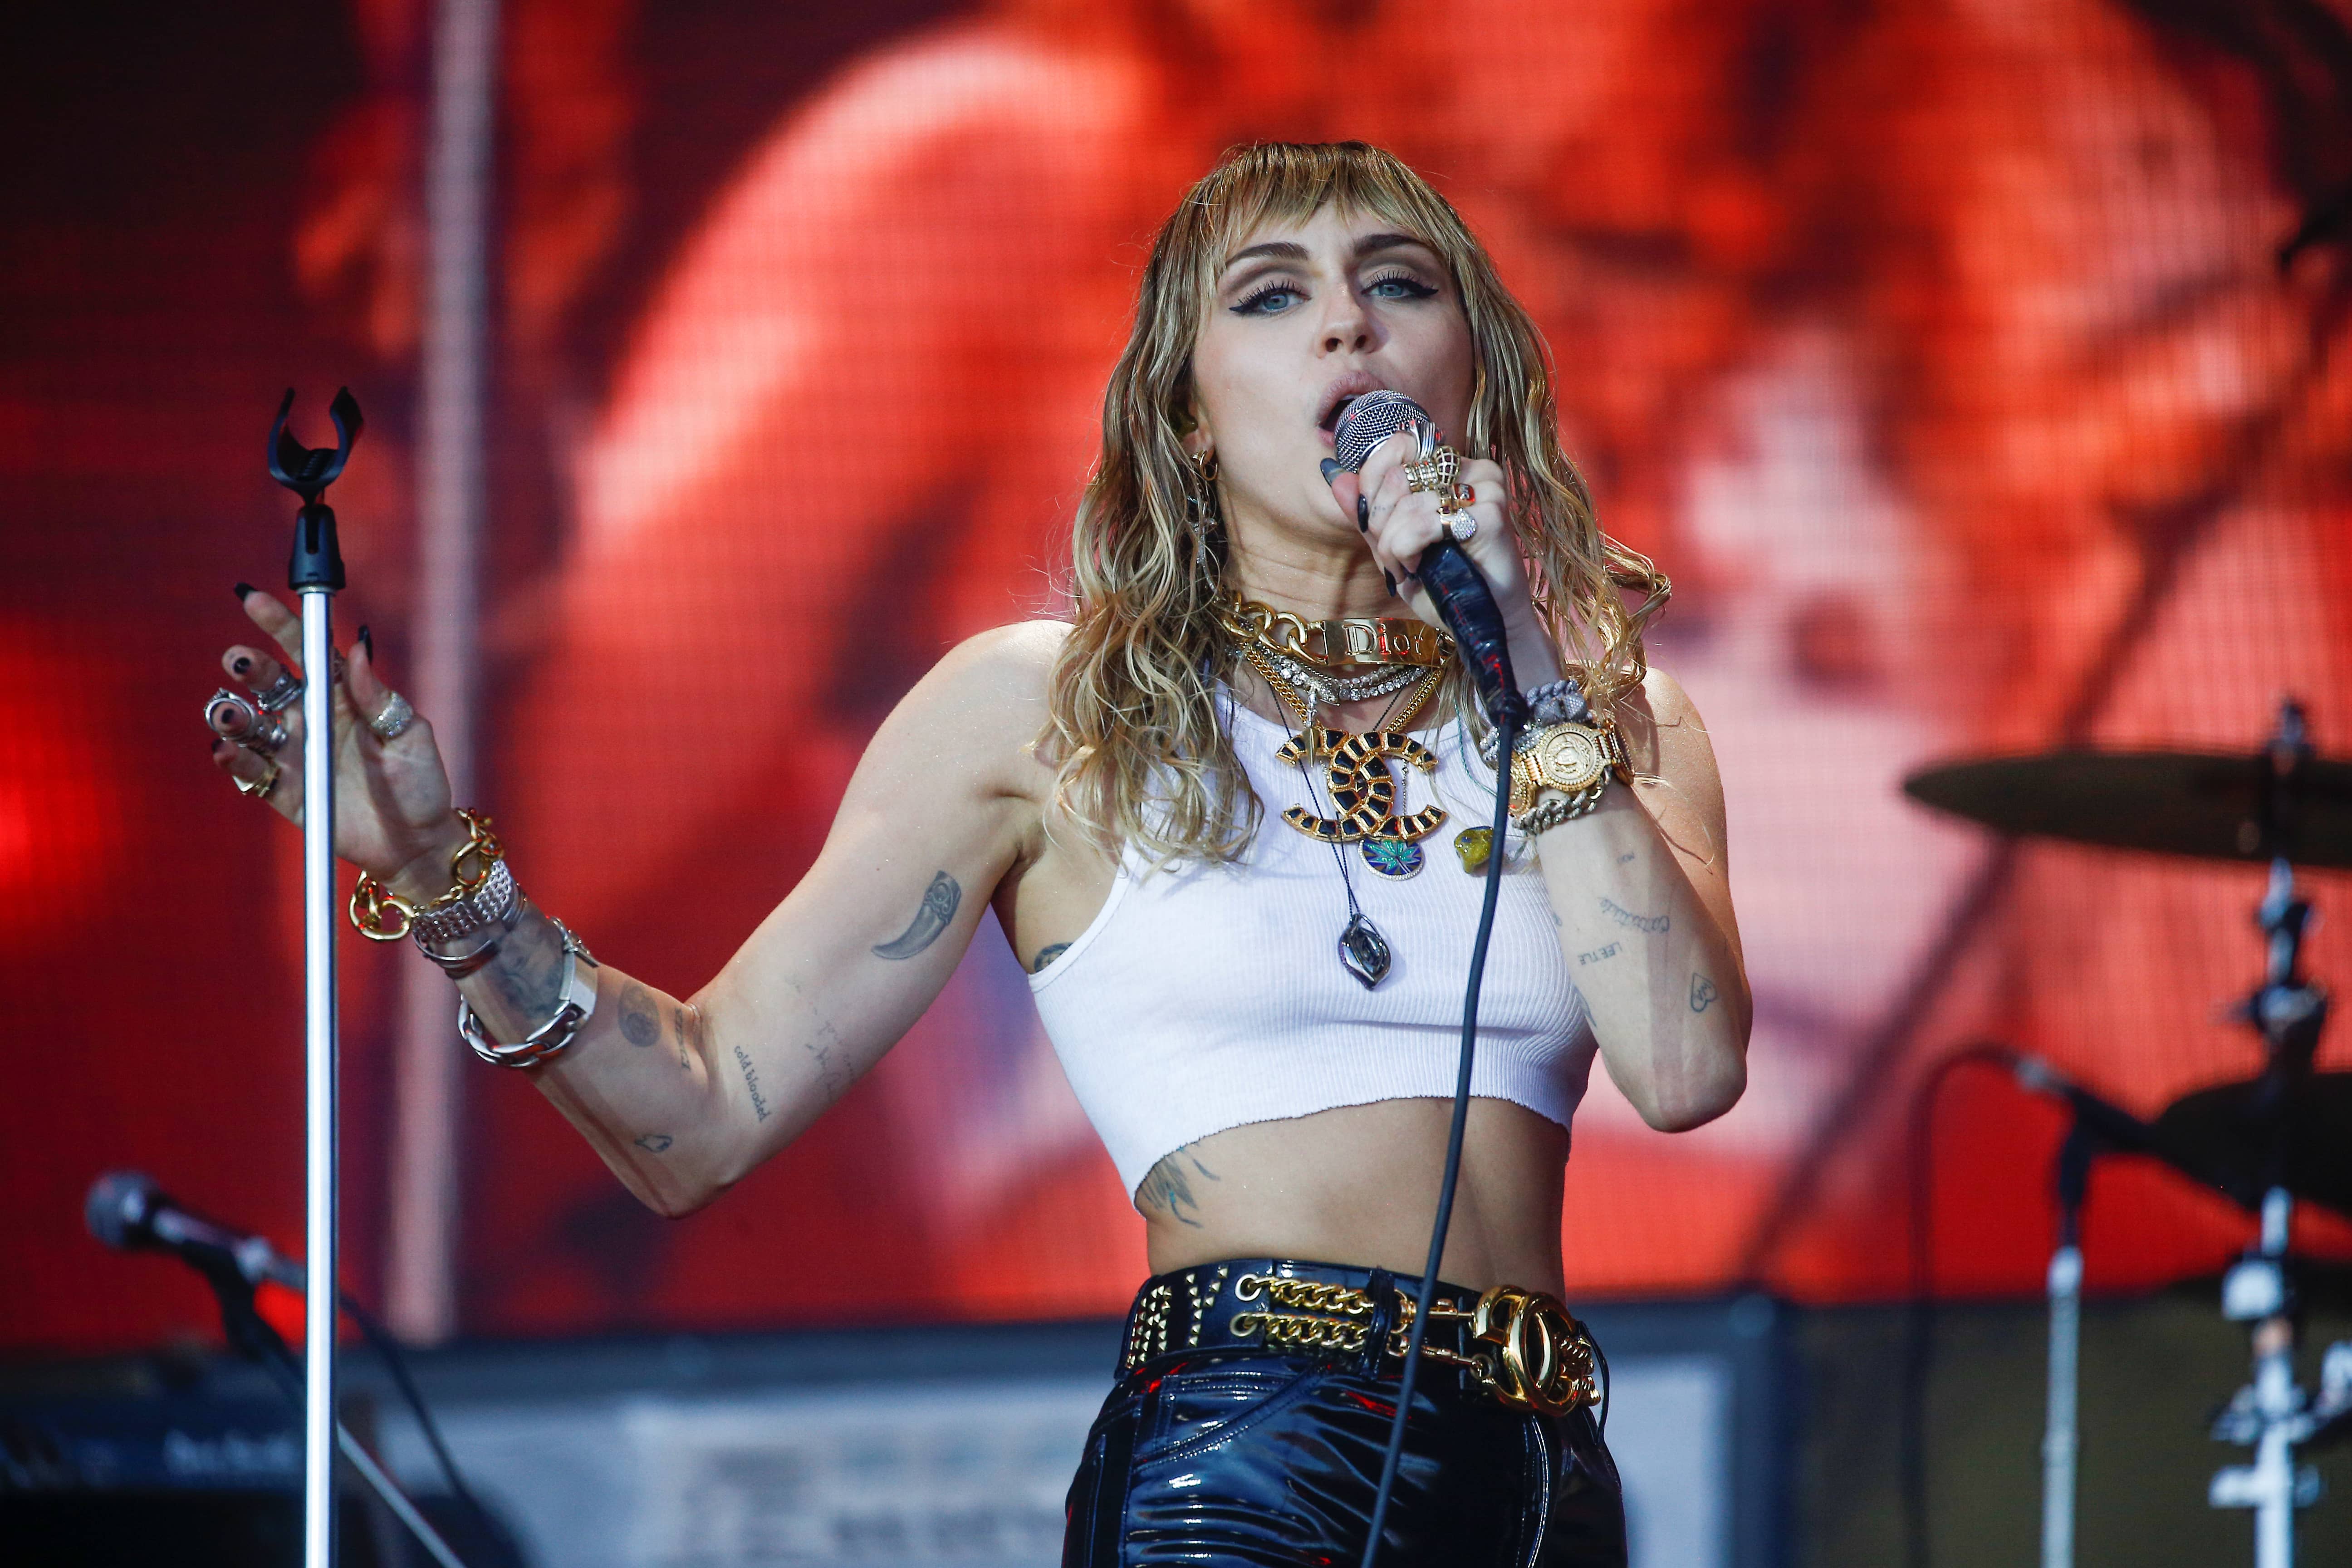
[1262, 303]
[1399, 288]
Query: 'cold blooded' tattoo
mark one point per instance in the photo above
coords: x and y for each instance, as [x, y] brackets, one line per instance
[1169, 1186]
[751, 1082]
[654, 1143]
[1702, 993]
[1651, 925]
[1046, 955]
[640, 1015]
[1596, 955]
[940, 901]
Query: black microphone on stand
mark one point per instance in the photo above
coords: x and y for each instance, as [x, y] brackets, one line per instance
[1463, 600]
[128, 1211]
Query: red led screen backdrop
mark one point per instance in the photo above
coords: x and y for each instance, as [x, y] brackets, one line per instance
[1941, 352]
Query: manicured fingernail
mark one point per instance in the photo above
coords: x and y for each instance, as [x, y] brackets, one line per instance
[242, 590]
[1364, 515]
[1330, 466]
[240, 667]
[368, 642]
[1390, 582]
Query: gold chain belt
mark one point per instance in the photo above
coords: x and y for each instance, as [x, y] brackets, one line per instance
[1523, 1347]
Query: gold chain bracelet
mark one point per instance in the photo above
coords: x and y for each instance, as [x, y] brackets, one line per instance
[382, 915]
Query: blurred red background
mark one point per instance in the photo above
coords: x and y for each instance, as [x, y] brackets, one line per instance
[1938, 350]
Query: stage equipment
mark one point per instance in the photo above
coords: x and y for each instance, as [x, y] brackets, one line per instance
[127, 1210]
[2260, 1142]
[315, 572]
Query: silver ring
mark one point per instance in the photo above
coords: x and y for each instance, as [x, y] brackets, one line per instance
[392, 719]
[283, 693]
[225, 709]
[1460, 527]
[266, 735]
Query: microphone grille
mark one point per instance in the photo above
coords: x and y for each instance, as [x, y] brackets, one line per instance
[1367, 421]
[118, 1207]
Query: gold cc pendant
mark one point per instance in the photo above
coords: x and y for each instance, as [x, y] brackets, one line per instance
[1364, 793]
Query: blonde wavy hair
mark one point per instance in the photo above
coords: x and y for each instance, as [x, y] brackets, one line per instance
[1141, 756]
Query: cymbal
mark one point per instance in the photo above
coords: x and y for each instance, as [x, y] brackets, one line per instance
[2221, 1133]
[2174, 803]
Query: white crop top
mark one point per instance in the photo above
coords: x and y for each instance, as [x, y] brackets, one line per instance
[1209, 995]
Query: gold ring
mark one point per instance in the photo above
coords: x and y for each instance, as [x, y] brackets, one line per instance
[261, 787]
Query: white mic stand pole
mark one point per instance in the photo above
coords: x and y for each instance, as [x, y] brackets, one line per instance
[315, 572]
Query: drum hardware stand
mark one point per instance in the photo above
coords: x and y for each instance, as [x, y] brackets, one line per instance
[314, 570]
[2271, 1415]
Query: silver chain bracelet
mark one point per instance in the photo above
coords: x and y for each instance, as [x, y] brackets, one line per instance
[554, 1036]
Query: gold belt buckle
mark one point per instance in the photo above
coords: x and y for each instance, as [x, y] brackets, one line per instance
[1537, 1356]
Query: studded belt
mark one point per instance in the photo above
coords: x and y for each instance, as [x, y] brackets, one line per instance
[1521, 1347]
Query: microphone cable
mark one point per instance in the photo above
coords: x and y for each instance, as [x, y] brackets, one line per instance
[1507, 730]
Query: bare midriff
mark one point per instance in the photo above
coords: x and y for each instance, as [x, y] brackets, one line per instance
[1358, 1186]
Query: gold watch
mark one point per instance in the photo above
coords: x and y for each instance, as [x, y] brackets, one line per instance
[1569, 758]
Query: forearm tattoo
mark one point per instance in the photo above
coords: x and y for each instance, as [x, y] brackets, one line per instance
[940, 902]
[640, 1015]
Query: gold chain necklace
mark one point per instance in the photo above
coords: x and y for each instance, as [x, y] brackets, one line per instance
[1350, 640]
[1364, 792]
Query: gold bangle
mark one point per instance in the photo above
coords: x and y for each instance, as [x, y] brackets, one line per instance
[379, 914]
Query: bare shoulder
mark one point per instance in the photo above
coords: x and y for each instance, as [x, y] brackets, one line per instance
[981, 706]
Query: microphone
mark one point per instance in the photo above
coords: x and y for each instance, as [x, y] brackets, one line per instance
[1463, 600]
[2123, 1130]
[129, 1211]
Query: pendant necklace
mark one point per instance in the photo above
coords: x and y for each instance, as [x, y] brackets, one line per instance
[1364, 797]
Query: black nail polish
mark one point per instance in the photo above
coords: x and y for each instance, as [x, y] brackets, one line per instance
[1330, 466]
[242, 590]
[240, 667]
[1390, 582]
[1364, 515]
[367, 641]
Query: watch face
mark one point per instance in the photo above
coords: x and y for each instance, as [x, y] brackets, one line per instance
[1571, 758]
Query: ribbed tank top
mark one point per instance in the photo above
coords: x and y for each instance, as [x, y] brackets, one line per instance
[1206, 996]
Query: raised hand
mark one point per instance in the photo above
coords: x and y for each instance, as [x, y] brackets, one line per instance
[392, 817]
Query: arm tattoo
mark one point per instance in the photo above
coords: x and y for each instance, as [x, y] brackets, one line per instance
[689, 1036]
[1169, 1186]
[654, 1143]
[1597, 955]
[940, 901]
[751, 1082]
[1046, 955]
[1651, 925]
[1702, 993]
[640, 1015]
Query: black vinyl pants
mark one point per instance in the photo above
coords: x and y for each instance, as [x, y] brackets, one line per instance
[1258, 1458]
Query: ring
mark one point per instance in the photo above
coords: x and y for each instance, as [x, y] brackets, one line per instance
[391, 719]
[1434, 472]
[265, 736]
[283, 692]
[262, 785]
[1460, 527]
[224, 706]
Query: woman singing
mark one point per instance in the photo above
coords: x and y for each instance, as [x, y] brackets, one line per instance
[1230, 817]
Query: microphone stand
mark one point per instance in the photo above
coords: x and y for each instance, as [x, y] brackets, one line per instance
[314, 572]
[250, 1336]
[2061, 1440]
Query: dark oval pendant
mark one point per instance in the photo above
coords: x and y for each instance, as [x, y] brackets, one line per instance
[1365, 952]
[1392, 856]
